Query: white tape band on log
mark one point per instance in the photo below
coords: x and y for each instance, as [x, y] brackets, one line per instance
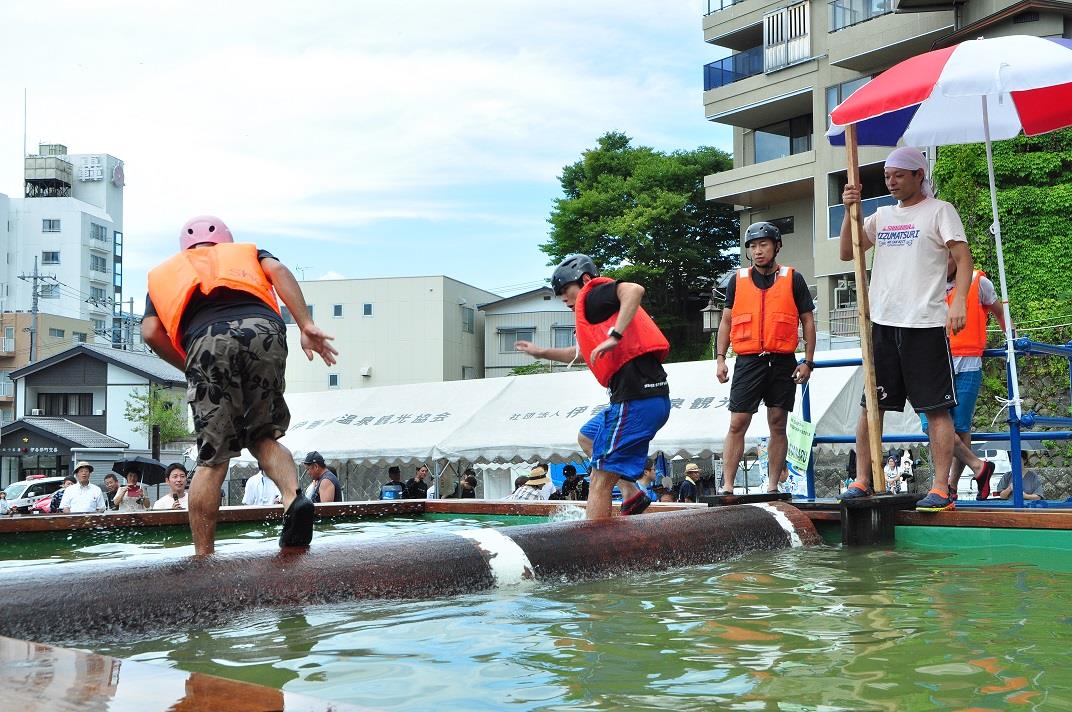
[783, 521]
[509, 564]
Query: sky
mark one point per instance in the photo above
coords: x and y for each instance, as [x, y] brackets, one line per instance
[351, 139]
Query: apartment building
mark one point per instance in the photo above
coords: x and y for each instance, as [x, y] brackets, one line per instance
[538, 316]
[391, 331]
[69, 226]
[791, 64]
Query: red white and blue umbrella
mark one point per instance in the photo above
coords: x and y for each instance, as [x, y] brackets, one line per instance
[934, 99]
[974, 92]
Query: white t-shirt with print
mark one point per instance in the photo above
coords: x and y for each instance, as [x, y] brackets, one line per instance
[908, 274]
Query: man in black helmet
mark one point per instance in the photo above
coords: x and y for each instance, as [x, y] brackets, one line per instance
[764, 304]
[624, 349]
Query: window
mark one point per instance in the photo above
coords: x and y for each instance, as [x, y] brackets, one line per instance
[50, 258]
[784, 225]
[507, 337]
[118, 243]
[562, 337]
[333, 380]
[840, 92]
[58, 333]
[310, 308]
[117, 280]
[366, 309]
[336, 310]
[96, 294]
[98, 325]
[785, 138]
[50, 225]
[846, 13]
[98, 232]
[468, 318]
[80, 336]
[65, 403]
[285, 313]
[98, 264]
[50, 291]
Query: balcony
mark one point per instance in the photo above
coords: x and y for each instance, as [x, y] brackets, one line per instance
[867, 36]
[7, 391]
[7, 346]
[836, 213]
[733, 68]
[714, 6]
[846, 13]
[767, 183]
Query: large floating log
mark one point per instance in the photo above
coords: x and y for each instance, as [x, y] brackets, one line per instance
[105, 599]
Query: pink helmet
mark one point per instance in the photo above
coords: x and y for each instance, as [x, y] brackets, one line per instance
[203, 228]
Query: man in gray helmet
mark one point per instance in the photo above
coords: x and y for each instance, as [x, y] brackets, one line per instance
[624, 350]
[764, 304]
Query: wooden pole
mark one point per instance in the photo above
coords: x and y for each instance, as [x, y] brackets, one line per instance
[859, 259]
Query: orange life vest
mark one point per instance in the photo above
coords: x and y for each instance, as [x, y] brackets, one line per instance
[764, 320]
[642, 337]
[971, 340]
[229, 265]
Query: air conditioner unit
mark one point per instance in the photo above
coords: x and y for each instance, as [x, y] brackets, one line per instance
[366, 371]
[37, 411]
[98, 412]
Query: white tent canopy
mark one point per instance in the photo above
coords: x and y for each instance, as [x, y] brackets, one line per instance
[537, 417]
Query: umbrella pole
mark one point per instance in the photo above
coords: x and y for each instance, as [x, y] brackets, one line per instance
[859, 259]
[1009, 350]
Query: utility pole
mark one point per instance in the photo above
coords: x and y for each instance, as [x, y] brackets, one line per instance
[35, 295]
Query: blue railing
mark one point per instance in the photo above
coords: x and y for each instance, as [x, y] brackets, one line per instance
[836, 213]
[1014, 436]
[714, 6]
[733, 68]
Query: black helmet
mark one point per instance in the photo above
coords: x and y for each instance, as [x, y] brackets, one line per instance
[570, 270]
[760, 230]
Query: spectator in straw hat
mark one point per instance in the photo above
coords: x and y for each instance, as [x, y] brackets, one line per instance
[689, 491]
[84, 496]
[532, 489]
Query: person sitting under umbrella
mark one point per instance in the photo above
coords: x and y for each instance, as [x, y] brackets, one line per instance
[133, 497]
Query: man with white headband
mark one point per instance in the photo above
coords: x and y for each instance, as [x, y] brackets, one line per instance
[913, 241]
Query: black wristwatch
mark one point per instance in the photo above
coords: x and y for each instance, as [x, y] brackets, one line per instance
[614, 334]
[809, 364]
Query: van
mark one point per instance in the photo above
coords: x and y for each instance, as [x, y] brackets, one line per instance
[22, 495]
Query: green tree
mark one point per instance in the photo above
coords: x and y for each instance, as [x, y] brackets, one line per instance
[642, 216]
[1034, 183]
[158, 406]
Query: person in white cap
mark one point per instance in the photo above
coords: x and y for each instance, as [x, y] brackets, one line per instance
[83, 497]
[913, 241]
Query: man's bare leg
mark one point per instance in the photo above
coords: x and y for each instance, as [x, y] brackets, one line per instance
[204, 503]
[600, 490]
[941, 436]
[964, 456]
[733, 448]
[777, 446]
[277, 463]
[863, 449]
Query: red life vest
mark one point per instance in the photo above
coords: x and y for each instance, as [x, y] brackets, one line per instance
[764, 320]
[642, 337]
[230, 265]
[971, 340]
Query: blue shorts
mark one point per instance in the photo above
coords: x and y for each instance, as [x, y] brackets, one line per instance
[620, 435]
[967, 385]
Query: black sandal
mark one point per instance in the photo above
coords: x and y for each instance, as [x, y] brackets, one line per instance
[298, 522]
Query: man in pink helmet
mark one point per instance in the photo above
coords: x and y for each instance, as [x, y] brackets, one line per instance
[212, 312]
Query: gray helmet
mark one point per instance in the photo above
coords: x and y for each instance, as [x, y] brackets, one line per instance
[570, 270]
[760, 230]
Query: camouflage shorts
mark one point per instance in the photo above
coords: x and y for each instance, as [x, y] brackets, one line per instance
[235, 372]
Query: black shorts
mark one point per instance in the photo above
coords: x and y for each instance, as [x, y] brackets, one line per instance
[912, 364]
[767, 378]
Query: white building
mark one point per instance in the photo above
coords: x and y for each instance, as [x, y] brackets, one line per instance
[538, 316]
[71, 222]
[391, 331]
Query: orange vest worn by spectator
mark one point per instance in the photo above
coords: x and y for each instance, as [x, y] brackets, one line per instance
[764, 320]
[230, 265]
[642, 337]
[971, 340]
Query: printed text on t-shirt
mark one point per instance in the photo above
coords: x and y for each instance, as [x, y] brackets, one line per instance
[897, 235]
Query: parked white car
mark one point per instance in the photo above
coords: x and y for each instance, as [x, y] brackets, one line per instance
[22, 495]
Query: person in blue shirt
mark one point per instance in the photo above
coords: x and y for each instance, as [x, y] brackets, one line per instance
[393, 488]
